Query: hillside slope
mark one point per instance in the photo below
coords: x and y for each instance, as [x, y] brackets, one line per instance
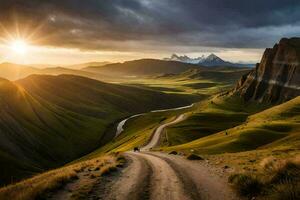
[274, 127]
[12, 71]
[144, 67]
[46, 121]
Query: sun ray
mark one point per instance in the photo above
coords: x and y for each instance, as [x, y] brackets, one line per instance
[19, 46]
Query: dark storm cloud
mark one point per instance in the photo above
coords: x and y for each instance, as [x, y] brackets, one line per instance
[149, 24]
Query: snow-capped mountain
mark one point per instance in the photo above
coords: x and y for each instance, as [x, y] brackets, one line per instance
[211, 60]
[185, 59]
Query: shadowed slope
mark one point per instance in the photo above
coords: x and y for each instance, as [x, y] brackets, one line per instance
[143, 67]
[49, 120]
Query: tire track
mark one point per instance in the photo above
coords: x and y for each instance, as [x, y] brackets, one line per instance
[133, 183]
[165, 182]
[189, 185]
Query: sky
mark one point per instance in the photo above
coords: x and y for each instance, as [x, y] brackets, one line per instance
[76, 31]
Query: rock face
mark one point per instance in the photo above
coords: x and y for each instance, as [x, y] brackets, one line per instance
[277, 77]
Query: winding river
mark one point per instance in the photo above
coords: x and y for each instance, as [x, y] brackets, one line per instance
[120, 127]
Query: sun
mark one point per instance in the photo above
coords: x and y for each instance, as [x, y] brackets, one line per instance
[19, 46]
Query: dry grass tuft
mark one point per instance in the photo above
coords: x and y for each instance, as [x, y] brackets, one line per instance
[277, 179]
[41, 185]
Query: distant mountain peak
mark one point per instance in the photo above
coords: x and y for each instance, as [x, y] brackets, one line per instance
[210, 60]
[213, 57]
[184, 59]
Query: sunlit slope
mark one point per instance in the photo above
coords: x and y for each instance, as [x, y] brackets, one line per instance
[143, 67]
[277, 127]
[49, 120]
[209, 117]
[214, 74]
[203, 81]
[12, 71]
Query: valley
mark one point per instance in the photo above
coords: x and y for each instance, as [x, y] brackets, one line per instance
[43, 127]
[196, 129]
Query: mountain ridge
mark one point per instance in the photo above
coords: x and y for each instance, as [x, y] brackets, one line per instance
[208, 61]
[143, 67]
[277, 78]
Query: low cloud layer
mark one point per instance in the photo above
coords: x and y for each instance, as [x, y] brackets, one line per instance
[150, 25]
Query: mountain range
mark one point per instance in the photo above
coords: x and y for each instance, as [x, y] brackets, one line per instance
[142, 67]
[210, 60]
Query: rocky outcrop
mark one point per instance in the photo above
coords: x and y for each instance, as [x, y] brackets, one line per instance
[277, 77]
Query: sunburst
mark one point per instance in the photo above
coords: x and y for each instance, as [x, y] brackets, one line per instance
[19, 46]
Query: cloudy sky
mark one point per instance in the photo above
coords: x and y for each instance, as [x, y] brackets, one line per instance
[70, 31]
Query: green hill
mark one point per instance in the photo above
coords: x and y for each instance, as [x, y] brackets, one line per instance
[276, 127]
[47, 121]
[88, 64]
[12, 71]
[143, 67]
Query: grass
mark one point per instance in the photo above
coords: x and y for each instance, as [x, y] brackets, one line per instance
[137, 132]
[246, 185]
[38, 187]
[274, 127]
[194, 81]
[209, 117]
[42, 127]
[277, 179]
[82, 110]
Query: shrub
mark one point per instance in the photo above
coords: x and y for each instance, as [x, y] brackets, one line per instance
[285, 172]
[173, 153]
[194, 157]
[246, 184]
[106, 170]
[278, 180]
[285, 191]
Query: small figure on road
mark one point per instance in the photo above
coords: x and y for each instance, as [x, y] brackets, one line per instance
[136, 149]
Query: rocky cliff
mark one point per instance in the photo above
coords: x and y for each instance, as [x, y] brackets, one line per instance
[277, 77]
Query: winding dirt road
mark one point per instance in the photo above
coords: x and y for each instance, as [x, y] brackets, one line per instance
[155, 176]
[159, 176]
[157, 133]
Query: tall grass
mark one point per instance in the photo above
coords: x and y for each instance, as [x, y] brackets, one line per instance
[277, 180]
[39, 186]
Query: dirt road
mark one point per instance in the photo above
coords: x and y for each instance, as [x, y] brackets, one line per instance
[157, 134]
[156, 176]
[159, 176]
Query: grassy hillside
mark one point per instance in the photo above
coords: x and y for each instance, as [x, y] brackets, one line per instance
[82, 176]
[137, 132]
[143, 67]
[204, 82]
[201, 120]
[15, 71]
[49, 120]
[88, 64]
[276, 127]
